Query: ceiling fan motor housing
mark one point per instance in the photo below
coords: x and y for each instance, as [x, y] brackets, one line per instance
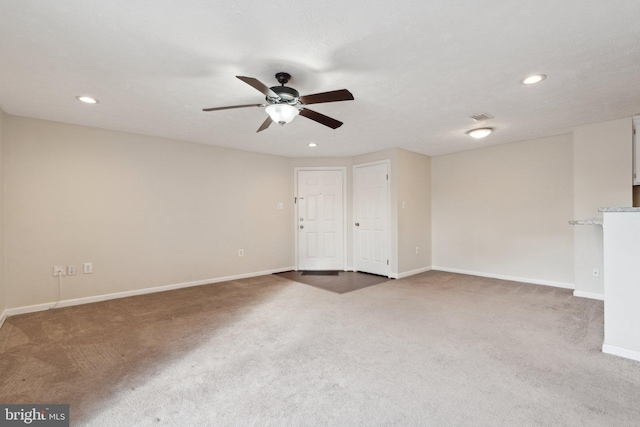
[287, 95]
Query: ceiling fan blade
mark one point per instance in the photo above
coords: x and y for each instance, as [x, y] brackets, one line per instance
[265, 124]
[320, 118]
[234, 106]
[257, 84]
[333, 96]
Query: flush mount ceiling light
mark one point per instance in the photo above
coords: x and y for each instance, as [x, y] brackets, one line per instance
[480, 132]
[533, 79]
[312, 144]
[87, 99]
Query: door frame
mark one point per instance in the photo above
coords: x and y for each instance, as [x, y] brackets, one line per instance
[342, 169]
[355, 231]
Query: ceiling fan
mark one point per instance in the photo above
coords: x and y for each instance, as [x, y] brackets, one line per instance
[285, 103]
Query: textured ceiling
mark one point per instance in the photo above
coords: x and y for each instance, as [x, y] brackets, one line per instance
[418, 69]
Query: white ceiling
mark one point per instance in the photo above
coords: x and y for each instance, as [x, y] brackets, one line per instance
[418, 69]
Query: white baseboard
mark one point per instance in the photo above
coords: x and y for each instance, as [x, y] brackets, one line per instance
[511, 278]
[622, 352]
[409, 273]
[105, 297]
[3, 316]
[29, 309]
[390, 275]
[590, 295]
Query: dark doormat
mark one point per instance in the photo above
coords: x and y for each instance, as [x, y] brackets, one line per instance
[320, 272]
[340, 283]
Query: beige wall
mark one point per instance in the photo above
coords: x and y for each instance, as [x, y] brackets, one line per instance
[151, 212]
[146, 211]
[503, 211]
[603, 177]
[414, 211]
[3, 304]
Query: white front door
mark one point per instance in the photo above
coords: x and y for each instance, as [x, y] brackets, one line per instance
[320, 219]
[371, 218]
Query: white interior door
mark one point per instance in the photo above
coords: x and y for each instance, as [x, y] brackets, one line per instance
[320, 219]
[371, 218]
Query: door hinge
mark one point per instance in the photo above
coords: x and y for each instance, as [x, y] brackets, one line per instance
[295, 200]
[387, 262]
[387, 177]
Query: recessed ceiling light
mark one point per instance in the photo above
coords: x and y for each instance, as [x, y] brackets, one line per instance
[312, 144]
[87, 99]
[480, 132]
[533, 79]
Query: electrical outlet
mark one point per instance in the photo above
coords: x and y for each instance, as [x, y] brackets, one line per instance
[240, 252]
[280, 205]
[88, 268]
[58, 271]
[71, 270]
[417, 250]
[595, 272]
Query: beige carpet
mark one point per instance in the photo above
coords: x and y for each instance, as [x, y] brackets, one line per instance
[434, 349]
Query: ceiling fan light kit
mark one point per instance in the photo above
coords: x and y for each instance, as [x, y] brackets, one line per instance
[281, 113]
[285, 103]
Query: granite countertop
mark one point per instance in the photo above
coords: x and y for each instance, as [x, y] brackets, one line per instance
[618, 209]
[598, 221]
[593, 221]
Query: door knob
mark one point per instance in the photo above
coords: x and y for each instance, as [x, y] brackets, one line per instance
[357, 224]
[301, 227]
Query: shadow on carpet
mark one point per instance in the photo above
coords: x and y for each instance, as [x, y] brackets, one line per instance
[341, 283]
